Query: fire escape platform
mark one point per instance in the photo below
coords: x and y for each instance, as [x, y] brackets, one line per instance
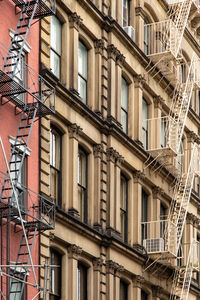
[44, 7]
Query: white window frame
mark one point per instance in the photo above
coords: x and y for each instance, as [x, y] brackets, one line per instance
[55, 51]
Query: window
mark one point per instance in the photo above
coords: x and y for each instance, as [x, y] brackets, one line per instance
[17, 286]
[163, 132]
[144, 214]
[180, 157]
[182, 73]
[123, 290]
[55, 47]
[124, 106]
[55, 275]
[82, 282]
[126, 13]
[146, 36]
[20, 72]
[82, 184]
[144, 295]
[55, 165]
[124, 207]
[145, 124]
[82, 71]
[163, 216]
[19, 179]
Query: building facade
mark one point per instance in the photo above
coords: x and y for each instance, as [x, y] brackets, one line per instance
[120, 158]
[23, 212]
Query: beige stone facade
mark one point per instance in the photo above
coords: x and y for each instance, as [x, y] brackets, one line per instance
[104, 179]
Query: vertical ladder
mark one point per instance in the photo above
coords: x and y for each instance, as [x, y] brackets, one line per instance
[180, 106]
[19, 38]
[22, 261]
[179, 14]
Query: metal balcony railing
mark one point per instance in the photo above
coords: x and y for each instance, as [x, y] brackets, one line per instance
[35, 209]
[161, 39]
[36, 87]
[159, 237]
[44, 7]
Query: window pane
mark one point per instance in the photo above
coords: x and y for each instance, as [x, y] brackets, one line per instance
[81, 282]
[124, 120]
[124, 103]
[56, 34]
[163, 132]
[123, 290]
[55, 273]
[82, 60]
[55, 63]
[15, 286]
[82, 88]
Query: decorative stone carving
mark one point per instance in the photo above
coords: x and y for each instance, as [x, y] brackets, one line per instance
[113, 267]
[51, 236]
[158, 102]
[74, 131]
[138, 281]
[193, 137]
[111, 154]
[98, 150]
[99, 46]
[138, 176]
[113, 52]
[139, 81]
[139, 11]
[97, 263]
[74, 251]
[121, 59]
[157, 191]
[75, 20]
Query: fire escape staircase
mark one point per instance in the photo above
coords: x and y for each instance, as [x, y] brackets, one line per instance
[38, 103]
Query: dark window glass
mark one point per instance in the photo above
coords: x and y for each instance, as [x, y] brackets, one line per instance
[123, 290]
[55, 275]
[55, 165]
[124, 207]
[145, 124]
[144, 295]
[144, 214]
[82, 184]
[124, 105]
[82, 282]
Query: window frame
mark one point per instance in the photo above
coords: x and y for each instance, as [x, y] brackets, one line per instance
[80, 75]
[123, 290]
[58, 171]
[58, 269]
[144, 214]
[125, 16]
[145, 129]
[84, 189]
[123, 109]
[53, 49]
[84, 284]
[124, 210]
[146, 36]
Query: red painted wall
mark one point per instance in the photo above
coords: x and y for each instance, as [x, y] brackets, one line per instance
[10, 121]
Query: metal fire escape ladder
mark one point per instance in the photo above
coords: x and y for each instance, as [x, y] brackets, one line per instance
[183, 276]
[179, 16]
[180, 202]
[179, 108]
[19, 38]
[22, 262]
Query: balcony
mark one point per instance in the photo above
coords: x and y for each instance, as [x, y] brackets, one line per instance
[159, 237]
[44, 7]
[35, 209]
[35, 88]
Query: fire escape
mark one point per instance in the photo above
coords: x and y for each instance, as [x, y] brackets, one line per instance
[162, 238]
[23, 212]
